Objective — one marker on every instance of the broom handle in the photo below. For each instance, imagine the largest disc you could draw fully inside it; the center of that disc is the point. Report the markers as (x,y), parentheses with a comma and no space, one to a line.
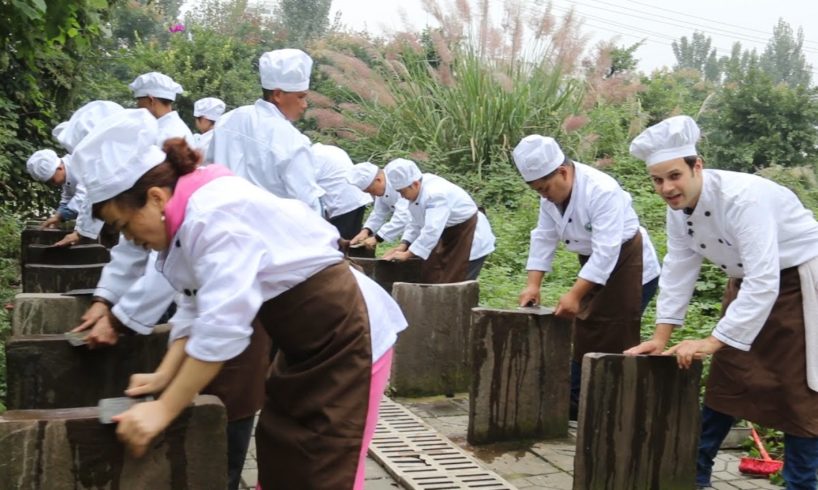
(759,445)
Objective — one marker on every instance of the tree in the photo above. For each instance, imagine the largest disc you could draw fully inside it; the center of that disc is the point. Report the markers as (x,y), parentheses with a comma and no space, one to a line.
(697,54)
(303,20)
(623,59)
(783,59)
(756,122)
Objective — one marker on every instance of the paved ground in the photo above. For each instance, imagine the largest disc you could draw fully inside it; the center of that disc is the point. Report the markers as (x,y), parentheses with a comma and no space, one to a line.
(543,466)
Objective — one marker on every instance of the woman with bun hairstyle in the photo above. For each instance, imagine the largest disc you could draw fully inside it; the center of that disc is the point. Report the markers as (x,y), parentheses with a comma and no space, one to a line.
(242,256)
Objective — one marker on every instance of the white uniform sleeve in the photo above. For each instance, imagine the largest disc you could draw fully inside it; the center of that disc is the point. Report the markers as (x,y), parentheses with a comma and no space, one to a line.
(126,266)
(298,176)
(436,215)
(680,271)
(146,300)
(380,213)
(397,224)
(756,231)
(182,321)
(226,264)
(543,244)
(607,224)
(86,225)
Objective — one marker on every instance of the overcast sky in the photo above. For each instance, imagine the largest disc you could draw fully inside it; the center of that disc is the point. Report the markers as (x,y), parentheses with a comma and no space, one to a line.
(660,22)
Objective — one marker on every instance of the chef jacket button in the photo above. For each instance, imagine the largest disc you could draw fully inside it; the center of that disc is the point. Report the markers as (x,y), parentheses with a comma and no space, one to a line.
(723,266)
(703,245)
(740,264)
(689,223)
(707,213)
(570,220)
(690,231)
(195,291)
(187,292)
(178,243)
(417,204)
(567,242)
(721,241)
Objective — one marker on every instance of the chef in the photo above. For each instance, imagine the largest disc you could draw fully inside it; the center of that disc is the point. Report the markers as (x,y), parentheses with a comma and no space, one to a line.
(343,203)
(390,213)
(156,92)
(446,231)
(206,111)
(765,348)
(589,213)
(243,257)
(259,142)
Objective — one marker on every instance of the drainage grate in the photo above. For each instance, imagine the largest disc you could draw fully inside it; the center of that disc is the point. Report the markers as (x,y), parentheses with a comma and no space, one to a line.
(420,458)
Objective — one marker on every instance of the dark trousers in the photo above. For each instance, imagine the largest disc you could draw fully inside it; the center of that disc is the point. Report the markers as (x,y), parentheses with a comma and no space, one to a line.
(349,224)
(475,266)
(800,453)
(238,439)
(648,291)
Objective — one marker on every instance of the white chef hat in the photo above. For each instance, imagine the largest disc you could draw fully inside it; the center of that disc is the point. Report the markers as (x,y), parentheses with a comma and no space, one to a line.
(675,137)
(209,107)
(361,175)
(117,153)
(537,156)
(42,164)
(155,84)
(82,121)
(285,69)
(401,173)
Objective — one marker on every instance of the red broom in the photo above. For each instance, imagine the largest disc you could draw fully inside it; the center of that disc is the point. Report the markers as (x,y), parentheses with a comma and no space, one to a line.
(754,466)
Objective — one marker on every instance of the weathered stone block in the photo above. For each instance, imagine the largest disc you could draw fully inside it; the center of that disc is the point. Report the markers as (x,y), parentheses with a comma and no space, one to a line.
(91,253)
(46,313)
(362,252)
(32,234)
(638,423)
(520,375)
(40,278)
(70,450)
(46,372)
(432,355)
(386,273)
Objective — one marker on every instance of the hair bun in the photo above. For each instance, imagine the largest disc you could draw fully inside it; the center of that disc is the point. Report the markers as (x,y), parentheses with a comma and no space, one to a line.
(181,156)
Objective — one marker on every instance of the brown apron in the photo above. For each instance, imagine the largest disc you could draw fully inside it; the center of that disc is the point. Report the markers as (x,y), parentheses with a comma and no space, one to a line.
(610,315)
(768,384)
(311,428)
(449,260)
(240,383)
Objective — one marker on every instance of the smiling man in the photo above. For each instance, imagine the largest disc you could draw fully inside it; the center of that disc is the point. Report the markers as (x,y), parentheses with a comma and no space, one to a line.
(259,142)
(765,363)
(592,215)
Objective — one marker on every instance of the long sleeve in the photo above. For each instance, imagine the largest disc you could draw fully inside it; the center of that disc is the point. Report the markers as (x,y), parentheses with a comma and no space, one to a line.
(127,264)
(395,226)
(543,243)
(680,270)
(144,303)
(298,176)
(756,230)
(381,212)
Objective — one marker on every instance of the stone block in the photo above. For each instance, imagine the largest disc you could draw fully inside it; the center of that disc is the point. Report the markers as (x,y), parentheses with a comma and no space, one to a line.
(431,357)
(46,313)
(520,375)
(638,423)
(32,234)
(70,450)
(386,273)
(91,253)
(362,252)
(40,278)
(46,372)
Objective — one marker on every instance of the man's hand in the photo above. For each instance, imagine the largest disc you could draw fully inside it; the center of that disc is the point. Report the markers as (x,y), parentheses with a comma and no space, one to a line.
(141,424)
(52,221)
(390,254)
(370,243)
(648,347)
(568,305)
(530,296)
(72,238)
(360,237)
(147,383)
(402,256)
(687,350)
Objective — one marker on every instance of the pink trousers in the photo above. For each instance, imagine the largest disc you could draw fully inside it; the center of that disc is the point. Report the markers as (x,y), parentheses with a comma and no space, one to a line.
(377,385)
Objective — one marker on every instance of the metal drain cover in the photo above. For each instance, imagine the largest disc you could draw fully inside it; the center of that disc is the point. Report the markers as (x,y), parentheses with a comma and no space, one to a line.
(420,458)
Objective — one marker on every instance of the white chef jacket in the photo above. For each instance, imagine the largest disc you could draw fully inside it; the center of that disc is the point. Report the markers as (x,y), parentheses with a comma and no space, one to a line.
(598,220)
(749,226)
(73,193)
(439,205)
(172,126)
(130,281)
(240,246)
(390,215)
(258,143)
(331,166)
